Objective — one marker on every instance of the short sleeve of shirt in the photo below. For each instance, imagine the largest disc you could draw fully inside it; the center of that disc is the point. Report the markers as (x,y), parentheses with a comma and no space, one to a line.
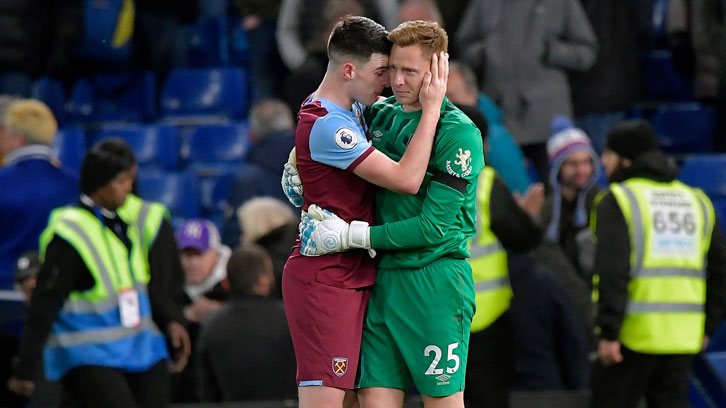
(460,152)
(337,142)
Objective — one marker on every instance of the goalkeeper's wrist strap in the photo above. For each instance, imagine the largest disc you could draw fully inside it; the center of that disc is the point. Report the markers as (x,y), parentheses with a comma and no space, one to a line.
(359,235)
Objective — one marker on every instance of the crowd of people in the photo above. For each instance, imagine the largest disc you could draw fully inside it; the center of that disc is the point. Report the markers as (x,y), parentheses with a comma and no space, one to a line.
(424,260)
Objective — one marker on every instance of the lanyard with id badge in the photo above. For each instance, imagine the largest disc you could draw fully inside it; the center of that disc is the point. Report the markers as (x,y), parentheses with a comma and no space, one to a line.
(128,299)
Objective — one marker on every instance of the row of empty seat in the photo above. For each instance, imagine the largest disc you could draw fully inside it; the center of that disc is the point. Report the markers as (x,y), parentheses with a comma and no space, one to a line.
(708,172)
(204,95)
(211,149)
(682,128)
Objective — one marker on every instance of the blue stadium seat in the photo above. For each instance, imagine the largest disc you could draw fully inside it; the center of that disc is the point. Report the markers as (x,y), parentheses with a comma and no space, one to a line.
(123,97)
(239,47)
(155,146)
(707,172)
(207,42)
(719,206)
(201,94)
(661,79)
(178,191)
(214,192)
(685,127)
(52,93)
(69,147)
(216,148)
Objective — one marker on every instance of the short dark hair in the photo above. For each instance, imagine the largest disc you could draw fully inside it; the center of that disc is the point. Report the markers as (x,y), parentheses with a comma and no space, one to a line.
(358,37)
(103,162)
(118,147)
(245,267)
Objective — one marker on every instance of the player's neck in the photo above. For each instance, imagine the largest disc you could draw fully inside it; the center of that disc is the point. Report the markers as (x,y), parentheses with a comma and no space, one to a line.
(333,90)
(412,107)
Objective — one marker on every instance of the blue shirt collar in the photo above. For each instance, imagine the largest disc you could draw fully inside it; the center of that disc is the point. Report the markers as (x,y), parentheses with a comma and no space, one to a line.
(34,151)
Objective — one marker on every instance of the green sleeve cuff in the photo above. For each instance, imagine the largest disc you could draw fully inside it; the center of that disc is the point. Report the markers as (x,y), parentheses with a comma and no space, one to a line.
(378,237)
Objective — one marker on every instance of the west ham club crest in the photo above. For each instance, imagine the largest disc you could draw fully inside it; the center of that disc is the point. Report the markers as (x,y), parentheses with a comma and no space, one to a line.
(340,365)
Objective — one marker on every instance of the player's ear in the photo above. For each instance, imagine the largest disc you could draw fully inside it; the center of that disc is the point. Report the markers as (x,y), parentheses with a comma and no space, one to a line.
(348,70)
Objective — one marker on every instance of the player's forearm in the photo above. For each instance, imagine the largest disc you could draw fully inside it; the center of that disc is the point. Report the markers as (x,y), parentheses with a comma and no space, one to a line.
(429,228)
(415,160)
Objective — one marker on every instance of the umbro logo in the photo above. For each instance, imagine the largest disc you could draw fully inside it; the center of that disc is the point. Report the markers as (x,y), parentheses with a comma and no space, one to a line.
(443,377)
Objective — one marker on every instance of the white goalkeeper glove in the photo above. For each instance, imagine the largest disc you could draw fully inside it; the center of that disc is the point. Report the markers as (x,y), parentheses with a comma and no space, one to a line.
(291,183)
(322,232)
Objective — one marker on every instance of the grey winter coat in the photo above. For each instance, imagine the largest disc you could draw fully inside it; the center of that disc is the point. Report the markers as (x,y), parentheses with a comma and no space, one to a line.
(523,50)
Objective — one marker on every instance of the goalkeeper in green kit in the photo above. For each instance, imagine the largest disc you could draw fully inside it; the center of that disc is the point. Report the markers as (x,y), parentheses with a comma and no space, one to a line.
(419,316)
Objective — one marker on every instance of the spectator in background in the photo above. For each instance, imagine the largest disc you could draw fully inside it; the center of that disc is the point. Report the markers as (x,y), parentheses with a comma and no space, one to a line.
(36,38)
(502,226)
(602,93)
(270,223)
(525,70)
(574,173)
(452,12)
(47,393)
(272,133)
(204,260)
(159,41)
(301,21)
(26,273)
(259,21)
(245,349)
(26,269)
(503,155)
(5,145)
(715,16)
(550,346)
(304,78)
(32,182)
(693,54)
(411,10)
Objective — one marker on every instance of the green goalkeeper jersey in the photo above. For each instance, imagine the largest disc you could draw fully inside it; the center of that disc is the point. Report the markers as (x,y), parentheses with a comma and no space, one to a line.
(440,219)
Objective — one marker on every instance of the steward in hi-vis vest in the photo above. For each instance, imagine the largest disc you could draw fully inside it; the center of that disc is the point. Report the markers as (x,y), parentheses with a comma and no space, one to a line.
(166,285)
(659,276)
(501,226)
(91,315)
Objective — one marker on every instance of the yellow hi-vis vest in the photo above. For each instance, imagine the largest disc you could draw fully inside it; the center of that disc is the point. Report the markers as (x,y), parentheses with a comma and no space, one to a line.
(488,261)
(670,226)
(146,215)
(89,330)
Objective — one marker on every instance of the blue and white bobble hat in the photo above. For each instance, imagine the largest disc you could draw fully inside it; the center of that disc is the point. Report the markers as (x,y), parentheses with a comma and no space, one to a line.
(566,138)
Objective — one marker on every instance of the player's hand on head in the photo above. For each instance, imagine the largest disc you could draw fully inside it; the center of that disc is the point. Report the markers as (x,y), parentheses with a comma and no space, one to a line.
(433,88)
(322,232)
(291,183)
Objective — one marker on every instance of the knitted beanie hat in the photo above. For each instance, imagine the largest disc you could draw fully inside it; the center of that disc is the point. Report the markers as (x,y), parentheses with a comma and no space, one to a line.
(565,139)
